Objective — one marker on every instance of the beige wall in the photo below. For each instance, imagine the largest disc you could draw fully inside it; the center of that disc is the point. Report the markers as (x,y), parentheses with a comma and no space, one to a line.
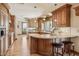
(75,23)
(74,18)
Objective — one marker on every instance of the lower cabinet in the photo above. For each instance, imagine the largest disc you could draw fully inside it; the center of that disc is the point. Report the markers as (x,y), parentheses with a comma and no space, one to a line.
(2,46)
(41,46)
(33,46)
(44,47)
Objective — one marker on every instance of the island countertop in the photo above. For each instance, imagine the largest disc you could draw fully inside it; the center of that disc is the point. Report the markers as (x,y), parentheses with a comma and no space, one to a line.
(49,36)
(41,43)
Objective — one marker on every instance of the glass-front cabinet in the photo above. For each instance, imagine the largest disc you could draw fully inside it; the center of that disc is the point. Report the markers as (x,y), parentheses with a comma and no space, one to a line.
(47,25)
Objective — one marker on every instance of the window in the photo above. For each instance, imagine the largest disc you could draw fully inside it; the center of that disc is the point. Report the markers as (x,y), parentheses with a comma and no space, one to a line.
(24,27)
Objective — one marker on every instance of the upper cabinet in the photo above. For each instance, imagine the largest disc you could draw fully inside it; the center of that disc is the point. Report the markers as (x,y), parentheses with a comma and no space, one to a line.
(61,16)
(77,10)
(4,14)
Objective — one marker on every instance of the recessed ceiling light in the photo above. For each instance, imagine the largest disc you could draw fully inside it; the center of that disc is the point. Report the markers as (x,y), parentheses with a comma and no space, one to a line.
(50,14)
(44,19)
(35,21)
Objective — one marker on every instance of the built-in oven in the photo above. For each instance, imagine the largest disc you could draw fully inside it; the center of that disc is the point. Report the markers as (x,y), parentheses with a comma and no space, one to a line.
(2,40)
(2,32)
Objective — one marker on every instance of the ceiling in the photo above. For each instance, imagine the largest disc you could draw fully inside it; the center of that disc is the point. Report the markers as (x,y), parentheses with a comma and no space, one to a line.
(32,10)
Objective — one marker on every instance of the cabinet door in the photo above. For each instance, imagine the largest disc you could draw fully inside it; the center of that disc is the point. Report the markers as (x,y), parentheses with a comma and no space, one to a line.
(55,20)
(59,18)
(33,45)
(47,47)
(63,17)
(44,47)
(41,46)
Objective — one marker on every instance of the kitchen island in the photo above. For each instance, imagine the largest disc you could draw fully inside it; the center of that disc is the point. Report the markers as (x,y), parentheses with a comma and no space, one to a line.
(41,43)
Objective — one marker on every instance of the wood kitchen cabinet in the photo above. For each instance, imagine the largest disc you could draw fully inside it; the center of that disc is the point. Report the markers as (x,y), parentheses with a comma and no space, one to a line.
(41,46)
(44,47)
(61,16)
(77,10)
(33,46)
(47,47)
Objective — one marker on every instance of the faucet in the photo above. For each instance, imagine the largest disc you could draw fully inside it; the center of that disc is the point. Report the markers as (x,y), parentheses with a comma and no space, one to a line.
(53,30)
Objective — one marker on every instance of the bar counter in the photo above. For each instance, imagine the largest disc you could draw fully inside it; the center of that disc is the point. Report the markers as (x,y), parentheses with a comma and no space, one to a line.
(41,43)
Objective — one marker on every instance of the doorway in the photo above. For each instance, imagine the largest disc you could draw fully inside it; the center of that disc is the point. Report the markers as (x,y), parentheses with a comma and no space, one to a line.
(24,27)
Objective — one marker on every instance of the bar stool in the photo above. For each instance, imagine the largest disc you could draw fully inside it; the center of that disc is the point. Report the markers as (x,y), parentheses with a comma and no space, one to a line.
(68,45)
(55,48)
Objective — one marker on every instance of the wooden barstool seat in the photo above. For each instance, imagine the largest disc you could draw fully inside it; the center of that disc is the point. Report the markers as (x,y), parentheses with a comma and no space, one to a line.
(67,47)
(55,48)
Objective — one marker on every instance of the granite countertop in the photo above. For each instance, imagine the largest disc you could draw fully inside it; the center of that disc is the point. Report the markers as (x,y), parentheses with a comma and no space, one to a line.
(49,36)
